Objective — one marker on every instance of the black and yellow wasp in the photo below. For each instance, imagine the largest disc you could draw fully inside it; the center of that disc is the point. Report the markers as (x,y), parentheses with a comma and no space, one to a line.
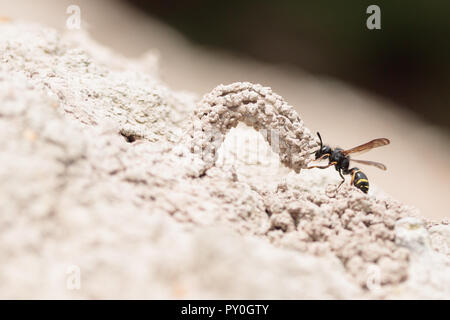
(340,159)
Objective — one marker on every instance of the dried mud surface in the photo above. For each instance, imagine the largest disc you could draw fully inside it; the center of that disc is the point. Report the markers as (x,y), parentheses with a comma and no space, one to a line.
(106,170)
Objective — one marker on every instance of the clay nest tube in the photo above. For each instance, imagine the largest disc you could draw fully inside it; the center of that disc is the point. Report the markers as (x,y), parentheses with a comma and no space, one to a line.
(256,106)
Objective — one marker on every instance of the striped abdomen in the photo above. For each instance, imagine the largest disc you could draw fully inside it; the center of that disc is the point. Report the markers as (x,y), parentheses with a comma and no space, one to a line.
(360,181)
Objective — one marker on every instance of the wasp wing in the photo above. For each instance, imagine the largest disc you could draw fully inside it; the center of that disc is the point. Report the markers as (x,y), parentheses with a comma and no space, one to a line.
(367,146)
(371,163)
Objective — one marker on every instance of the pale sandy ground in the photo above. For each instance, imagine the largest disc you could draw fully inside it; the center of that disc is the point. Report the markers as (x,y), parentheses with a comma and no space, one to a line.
(148,220)
(418,159)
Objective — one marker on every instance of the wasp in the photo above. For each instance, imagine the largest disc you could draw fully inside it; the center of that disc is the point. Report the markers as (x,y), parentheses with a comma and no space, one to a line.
(340,159)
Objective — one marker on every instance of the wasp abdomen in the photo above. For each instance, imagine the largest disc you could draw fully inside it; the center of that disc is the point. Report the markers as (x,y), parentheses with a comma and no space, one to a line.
(360,181)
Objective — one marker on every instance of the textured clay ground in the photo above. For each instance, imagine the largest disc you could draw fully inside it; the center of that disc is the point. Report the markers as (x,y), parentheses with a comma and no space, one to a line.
(151,193)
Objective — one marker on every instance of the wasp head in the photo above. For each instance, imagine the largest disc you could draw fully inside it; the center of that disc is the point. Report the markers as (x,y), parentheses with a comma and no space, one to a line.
(323,149)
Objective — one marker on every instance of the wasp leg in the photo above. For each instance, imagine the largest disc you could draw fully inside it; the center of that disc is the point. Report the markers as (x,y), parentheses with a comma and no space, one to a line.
(323,167)
(343,180)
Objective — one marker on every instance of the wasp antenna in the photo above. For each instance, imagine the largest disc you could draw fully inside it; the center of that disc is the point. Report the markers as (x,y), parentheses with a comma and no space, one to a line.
(320,139)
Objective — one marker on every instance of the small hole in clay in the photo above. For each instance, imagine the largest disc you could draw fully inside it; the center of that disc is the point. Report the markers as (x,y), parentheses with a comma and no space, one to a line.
(129,137)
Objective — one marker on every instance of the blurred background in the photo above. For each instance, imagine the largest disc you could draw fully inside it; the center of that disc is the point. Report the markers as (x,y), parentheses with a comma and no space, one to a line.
(408,60)
(348,82)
